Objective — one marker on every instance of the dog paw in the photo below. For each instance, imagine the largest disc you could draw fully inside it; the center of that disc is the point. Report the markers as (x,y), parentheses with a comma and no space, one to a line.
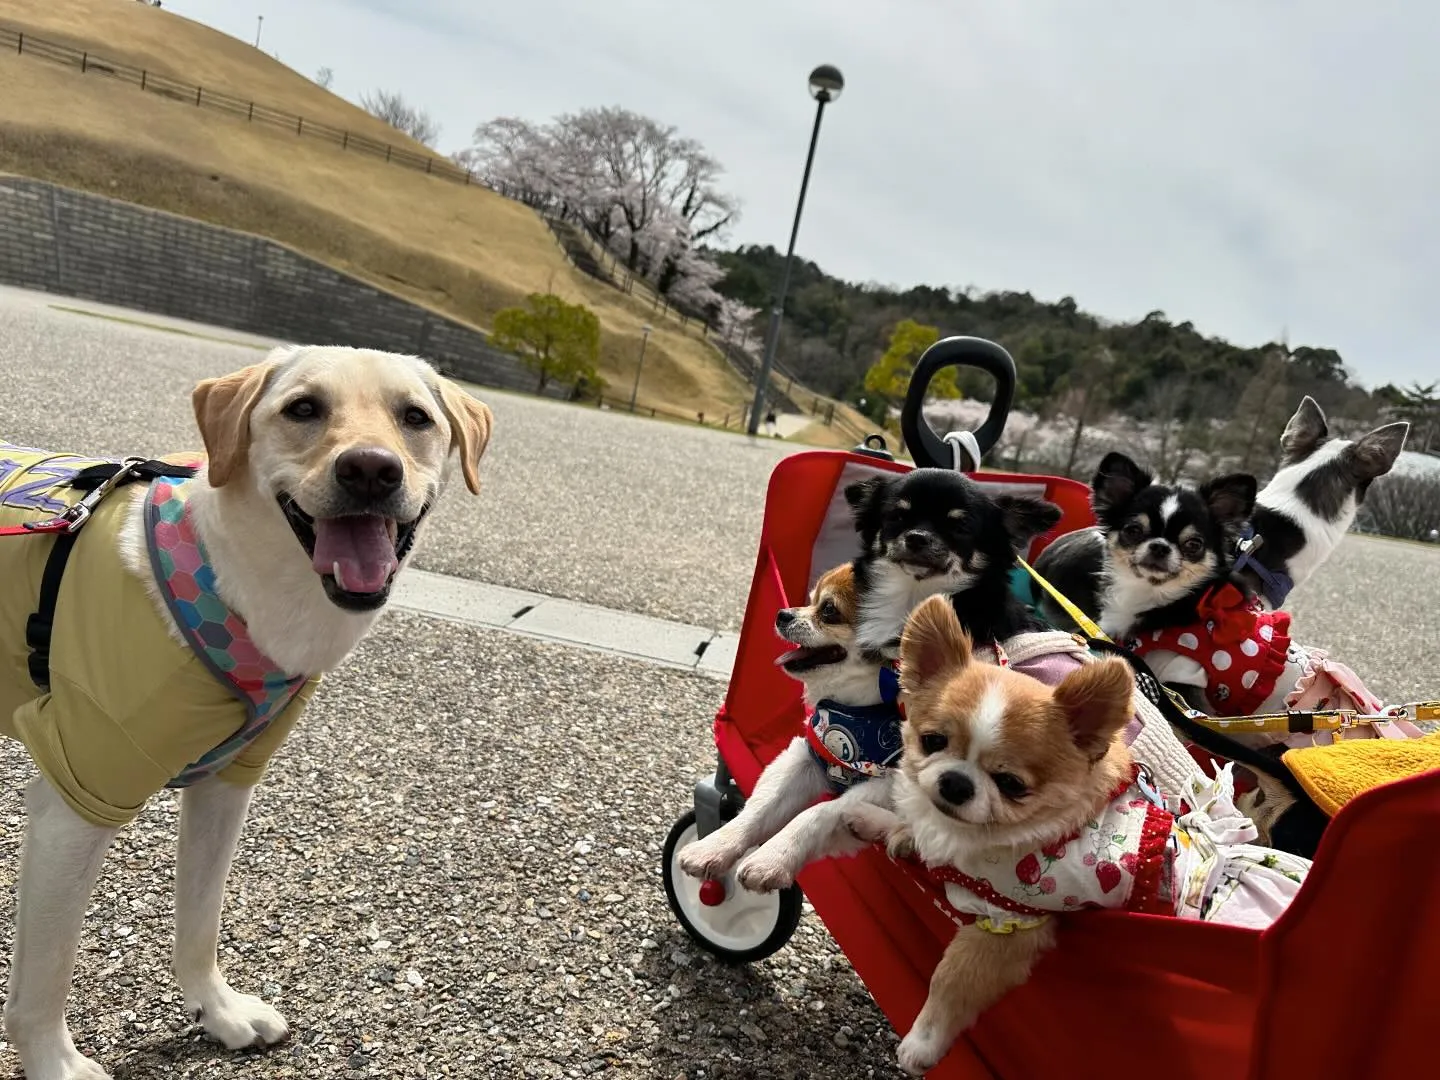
(710,857)
(764,872)
(73,1066)
(920,1051)
(900,844)
(238,1020)
(868,823)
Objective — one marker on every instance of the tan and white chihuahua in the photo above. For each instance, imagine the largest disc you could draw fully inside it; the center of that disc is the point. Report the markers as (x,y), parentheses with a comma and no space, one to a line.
(996,764)
(852,736)
(1024,801)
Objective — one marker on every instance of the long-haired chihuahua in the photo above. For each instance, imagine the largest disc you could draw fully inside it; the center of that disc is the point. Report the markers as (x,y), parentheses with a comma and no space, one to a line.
(852,734)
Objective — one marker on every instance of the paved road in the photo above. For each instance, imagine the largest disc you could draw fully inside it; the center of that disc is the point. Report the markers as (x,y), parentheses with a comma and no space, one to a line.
(486,811)
(603,507)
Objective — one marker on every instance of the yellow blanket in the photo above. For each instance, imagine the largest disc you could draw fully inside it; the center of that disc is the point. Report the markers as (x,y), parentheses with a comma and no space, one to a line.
(1335,774)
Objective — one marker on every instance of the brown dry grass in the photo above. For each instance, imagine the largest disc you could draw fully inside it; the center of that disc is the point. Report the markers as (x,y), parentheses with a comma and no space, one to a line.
(462,251)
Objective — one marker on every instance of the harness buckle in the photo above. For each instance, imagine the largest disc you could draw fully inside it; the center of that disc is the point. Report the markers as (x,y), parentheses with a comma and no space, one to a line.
(73,519)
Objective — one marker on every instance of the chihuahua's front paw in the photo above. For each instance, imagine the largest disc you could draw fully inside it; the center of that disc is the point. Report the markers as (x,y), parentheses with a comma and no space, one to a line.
(712,856)
(921,1050)
(764,871)
(900,844)
(873,824)
(237,1020)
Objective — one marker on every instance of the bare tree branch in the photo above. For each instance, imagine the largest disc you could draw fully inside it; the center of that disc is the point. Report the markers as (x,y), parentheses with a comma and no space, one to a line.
(401,115)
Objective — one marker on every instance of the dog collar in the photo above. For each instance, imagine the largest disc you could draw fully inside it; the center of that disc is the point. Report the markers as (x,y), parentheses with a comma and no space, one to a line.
(854,742)
(890,684)
(1274,585)
(218,636)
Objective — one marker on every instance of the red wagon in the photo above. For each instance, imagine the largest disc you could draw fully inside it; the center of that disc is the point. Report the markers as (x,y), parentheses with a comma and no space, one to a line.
(1337,988)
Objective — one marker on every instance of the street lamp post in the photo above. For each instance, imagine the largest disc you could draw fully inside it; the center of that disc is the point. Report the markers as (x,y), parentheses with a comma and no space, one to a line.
(259,25)
(826,82)
(640,364)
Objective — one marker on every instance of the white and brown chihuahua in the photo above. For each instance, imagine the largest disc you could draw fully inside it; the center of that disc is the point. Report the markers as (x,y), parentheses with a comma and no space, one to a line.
(852,735)
(996,764)
(1024,801)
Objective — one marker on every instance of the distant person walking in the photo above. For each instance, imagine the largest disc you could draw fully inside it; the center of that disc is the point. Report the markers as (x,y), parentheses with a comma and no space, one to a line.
(770,423)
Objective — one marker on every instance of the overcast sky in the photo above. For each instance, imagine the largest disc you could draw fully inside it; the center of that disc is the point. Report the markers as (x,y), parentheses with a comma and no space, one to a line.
(1257,167)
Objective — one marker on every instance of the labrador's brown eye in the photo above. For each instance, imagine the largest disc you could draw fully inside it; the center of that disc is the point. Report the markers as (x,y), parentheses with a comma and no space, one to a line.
(417,418)
(302,408)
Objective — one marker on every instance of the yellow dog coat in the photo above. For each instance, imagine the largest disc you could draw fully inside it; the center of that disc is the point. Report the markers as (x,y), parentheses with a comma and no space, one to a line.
(130,709)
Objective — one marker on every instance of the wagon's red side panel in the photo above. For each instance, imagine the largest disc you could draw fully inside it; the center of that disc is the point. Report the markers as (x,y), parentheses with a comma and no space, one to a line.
(1347,975)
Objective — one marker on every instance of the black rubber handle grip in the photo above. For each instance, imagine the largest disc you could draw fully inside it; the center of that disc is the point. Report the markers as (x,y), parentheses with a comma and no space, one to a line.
(927,448)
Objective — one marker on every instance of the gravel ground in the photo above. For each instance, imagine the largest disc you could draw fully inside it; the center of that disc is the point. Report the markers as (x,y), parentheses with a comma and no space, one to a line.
(463,882)
(651,517)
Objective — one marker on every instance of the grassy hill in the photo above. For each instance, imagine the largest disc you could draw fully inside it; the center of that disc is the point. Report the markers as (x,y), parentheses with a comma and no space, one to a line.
(462,251)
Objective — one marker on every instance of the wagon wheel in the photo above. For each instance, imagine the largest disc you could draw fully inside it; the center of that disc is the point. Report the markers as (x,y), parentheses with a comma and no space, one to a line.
(734,924)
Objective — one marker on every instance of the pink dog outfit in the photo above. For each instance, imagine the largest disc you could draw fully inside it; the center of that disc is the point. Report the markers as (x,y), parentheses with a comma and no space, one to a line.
(1143,853)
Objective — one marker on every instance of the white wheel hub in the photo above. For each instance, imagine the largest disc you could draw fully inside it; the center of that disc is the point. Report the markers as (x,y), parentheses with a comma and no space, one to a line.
(743,921)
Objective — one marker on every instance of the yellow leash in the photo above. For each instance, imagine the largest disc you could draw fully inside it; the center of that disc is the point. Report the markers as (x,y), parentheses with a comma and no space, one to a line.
(1326,720)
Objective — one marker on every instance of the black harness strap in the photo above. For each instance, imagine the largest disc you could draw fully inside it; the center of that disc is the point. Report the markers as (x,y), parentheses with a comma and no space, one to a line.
(40,627)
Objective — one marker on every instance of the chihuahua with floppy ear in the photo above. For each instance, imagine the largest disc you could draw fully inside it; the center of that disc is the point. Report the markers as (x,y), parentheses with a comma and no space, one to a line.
(852,735)
(1023,800)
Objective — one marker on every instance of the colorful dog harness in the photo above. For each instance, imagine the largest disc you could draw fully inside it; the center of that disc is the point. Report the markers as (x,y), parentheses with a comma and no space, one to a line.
(1242,649)
(217,634)
(853,742)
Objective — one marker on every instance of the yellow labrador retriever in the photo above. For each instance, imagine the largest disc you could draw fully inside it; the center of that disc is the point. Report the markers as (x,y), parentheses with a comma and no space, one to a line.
(194,616)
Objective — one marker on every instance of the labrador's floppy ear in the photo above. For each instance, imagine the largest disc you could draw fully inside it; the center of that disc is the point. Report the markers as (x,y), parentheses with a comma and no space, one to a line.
(222,412)
(470,423)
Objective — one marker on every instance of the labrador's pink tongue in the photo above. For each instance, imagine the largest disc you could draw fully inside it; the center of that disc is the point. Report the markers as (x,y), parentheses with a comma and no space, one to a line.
(357,550)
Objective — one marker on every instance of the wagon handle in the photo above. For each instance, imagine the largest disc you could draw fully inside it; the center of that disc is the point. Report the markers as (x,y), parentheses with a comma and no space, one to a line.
(927,448)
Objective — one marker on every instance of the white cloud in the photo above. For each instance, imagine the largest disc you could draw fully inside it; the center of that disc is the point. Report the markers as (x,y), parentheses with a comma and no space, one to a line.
(1252,167)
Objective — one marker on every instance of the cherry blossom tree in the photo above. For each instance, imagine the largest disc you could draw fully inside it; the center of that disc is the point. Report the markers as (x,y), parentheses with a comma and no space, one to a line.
(735,324)
(644,191)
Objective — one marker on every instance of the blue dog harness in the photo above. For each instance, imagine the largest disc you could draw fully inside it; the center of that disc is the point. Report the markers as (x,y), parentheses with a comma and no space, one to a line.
(1276,586)
(853,743)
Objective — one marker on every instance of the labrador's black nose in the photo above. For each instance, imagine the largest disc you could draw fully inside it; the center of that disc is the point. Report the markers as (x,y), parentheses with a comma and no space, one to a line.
(369,472)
